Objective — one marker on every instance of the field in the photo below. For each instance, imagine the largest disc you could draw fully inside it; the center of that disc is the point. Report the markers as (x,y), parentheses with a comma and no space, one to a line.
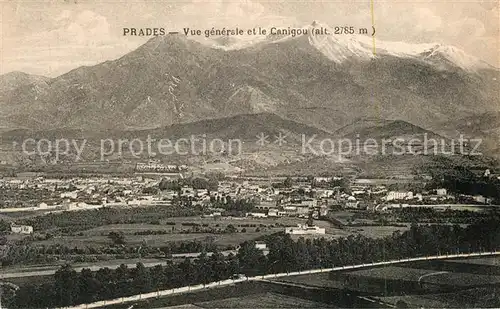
(426,276)
(480,261)
(317,280)
(241,295)
(188,306)
(110,263)
(344,216)
(471,298)
(184,229)
(457,283)
(479,291)
(264,300)
(376,231)
(222,240)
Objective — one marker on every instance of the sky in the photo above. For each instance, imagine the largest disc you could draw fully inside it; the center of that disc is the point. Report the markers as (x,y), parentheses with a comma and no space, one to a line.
(51,37)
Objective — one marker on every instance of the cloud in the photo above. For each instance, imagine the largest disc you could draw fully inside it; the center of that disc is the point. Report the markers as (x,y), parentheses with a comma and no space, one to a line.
(426,20)
(472,27)
(70,39)
(84,28)
(57,36)
(468,27)
(221,13)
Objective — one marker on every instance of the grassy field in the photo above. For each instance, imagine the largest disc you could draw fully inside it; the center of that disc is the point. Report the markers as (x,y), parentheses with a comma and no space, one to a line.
(483,266)
(471,298)
(242,295)
(376,231)
(345,216)
(110,263)
(236,221)
(181,229)
(318,280)
(188,306)
(30,280)
(458,279)
(492,261)
(222,240)
(263,300)
(222,222)
(434,274)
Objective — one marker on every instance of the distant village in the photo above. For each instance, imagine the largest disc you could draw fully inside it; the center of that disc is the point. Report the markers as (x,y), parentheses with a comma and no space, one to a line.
(309,197)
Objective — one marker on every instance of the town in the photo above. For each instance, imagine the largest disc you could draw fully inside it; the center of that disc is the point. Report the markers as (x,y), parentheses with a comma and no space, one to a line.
(168,213)
(230,197)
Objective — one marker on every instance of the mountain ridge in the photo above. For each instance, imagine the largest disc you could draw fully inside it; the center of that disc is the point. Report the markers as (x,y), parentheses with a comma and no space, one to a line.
(173,79)
(340,47)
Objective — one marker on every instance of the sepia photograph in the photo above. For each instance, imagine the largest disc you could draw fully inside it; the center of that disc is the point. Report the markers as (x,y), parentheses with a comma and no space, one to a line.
(205,154)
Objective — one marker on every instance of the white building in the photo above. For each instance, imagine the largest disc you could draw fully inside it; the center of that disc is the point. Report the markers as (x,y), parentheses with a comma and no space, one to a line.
(256,215)
(71,194)
(394,195)
(352,202)
(155,167)
(272,212)
(481,199)
(322,179)
(305,230)
(260,245)
(441,192)
(21,229)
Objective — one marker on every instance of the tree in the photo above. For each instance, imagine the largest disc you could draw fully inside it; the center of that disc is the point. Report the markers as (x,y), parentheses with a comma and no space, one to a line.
(251,260)
(117,238)
(4,227)
(66,285)
(166,184)
(89,286)
(310,221)
(141,279)
(230,229)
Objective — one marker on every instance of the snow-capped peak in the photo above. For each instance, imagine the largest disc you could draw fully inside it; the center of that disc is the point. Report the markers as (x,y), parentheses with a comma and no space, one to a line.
(453,55)
(342,47)
(339,48)
(348,47)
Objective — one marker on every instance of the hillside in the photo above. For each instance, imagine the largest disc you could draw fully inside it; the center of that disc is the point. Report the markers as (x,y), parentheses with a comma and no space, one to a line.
(12,84)
(379,129)
(485,126)
(246,127)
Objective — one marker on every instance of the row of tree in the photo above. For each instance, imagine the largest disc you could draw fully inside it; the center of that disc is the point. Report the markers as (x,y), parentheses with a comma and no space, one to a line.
(285,255)
(74,221)
(32,254)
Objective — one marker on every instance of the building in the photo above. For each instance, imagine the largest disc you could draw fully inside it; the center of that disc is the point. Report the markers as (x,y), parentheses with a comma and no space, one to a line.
(156,167)
(481,199)
(323,210)
(70,194)
(21,229)
(305,230)
(256,215)
(352,202)
(394,195)
(322,179)
(441,192)
(260,245)
(272,212)
(265,205)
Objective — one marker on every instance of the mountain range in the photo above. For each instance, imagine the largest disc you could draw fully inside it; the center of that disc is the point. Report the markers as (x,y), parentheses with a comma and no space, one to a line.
(321,82)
